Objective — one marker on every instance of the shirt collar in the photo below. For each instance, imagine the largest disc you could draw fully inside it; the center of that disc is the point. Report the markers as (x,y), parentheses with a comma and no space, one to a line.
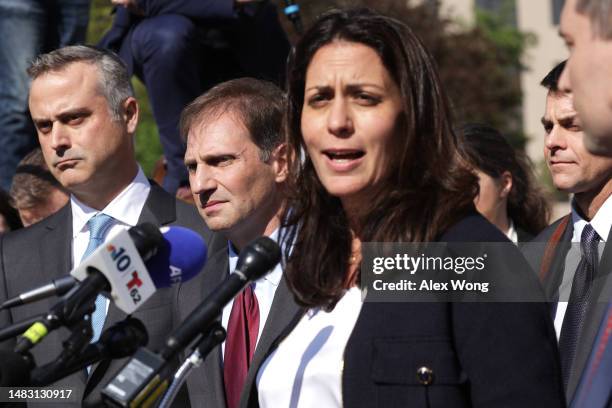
(274,276)
(125,207)
(601,222)
(512,234)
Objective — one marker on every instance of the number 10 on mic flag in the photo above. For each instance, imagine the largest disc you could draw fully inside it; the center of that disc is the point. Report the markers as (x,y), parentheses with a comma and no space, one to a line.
(122,265)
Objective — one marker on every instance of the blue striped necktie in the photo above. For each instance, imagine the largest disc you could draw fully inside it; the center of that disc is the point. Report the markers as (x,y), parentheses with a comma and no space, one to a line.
(98,227)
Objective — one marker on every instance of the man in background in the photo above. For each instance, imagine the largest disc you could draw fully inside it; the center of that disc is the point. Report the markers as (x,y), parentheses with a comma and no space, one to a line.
(574,264)
(35,193)
(237,167)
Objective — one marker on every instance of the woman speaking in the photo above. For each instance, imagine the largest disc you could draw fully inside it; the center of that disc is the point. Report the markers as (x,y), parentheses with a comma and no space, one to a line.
(376,160)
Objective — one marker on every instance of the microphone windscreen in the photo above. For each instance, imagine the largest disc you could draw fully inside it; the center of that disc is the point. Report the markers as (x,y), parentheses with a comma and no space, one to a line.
(124,338)
(181,257)
(14,369)
(258,257)
(147,239)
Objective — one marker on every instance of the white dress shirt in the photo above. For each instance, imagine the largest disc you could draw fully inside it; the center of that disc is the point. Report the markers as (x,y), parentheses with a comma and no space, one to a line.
(512,234)
(264,289)
(125,208)
(601,223)
(306,368)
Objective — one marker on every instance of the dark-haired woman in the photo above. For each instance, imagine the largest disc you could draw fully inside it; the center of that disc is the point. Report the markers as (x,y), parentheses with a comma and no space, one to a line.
(376,160)
(508,196)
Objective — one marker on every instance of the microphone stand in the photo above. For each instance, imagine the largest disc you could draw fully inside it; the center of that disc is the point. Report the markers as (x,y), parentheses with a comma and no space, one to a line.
(60,368)
(70,311)
(213,337)
(118,341)
(19,327)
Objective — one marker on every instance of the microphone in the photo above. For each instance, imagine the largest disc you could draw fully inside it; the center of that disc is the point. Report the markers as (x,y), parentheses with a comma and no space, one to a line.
(117,266)
(292,11)
(130,385)
(57,287)
(256,260)
(120,340)
(180,258)
(182,262)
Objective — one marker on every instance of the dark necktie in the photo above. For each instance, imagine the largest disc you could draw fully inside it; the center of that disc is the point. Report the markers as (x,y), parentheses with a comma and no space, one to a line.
(242,330)
(579,300)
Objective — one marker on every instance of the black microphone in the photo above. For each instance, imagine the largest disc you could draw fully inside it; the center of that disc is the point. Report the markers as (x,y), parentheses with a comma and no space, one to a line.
(80,300)
(292,11)
(118,341)
(57,287)
(256,260)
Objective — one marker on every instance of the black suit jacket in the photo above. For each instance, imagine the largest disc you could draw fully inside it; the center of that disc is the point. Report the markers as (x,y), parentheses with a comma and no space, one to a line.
(552,278)
(205,384)
(481,354)
(34,256)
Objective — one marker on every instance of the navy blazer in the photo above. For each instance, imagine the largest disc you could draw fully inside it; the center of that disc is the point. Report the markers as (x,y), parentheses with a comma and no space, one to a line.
(479,354)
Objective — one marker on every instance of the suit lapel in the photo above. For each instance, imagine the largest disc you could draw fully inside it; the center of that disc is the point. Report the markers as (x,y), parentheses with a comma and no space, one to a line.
(210,377)
(160,207)
(602,293)
(557,267)
(282,311)
(55,246)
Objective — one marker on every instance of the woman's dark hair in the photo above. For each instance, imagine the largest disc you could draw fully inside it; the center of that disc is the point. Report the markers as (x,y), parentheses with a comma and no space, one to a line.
(10,214)
(490,152)
(429,189)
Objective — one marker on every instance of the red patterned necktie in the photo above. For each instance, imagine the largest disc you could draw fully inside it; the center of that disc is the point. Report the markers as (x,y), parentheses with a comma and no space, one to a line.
(242,330)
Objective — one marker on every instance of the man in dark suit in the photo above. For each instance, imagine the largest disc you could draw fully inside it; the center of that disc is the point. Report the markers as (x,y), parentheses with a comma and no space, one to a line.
(575,263)
(237,168)
(83,107)
(180,48)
